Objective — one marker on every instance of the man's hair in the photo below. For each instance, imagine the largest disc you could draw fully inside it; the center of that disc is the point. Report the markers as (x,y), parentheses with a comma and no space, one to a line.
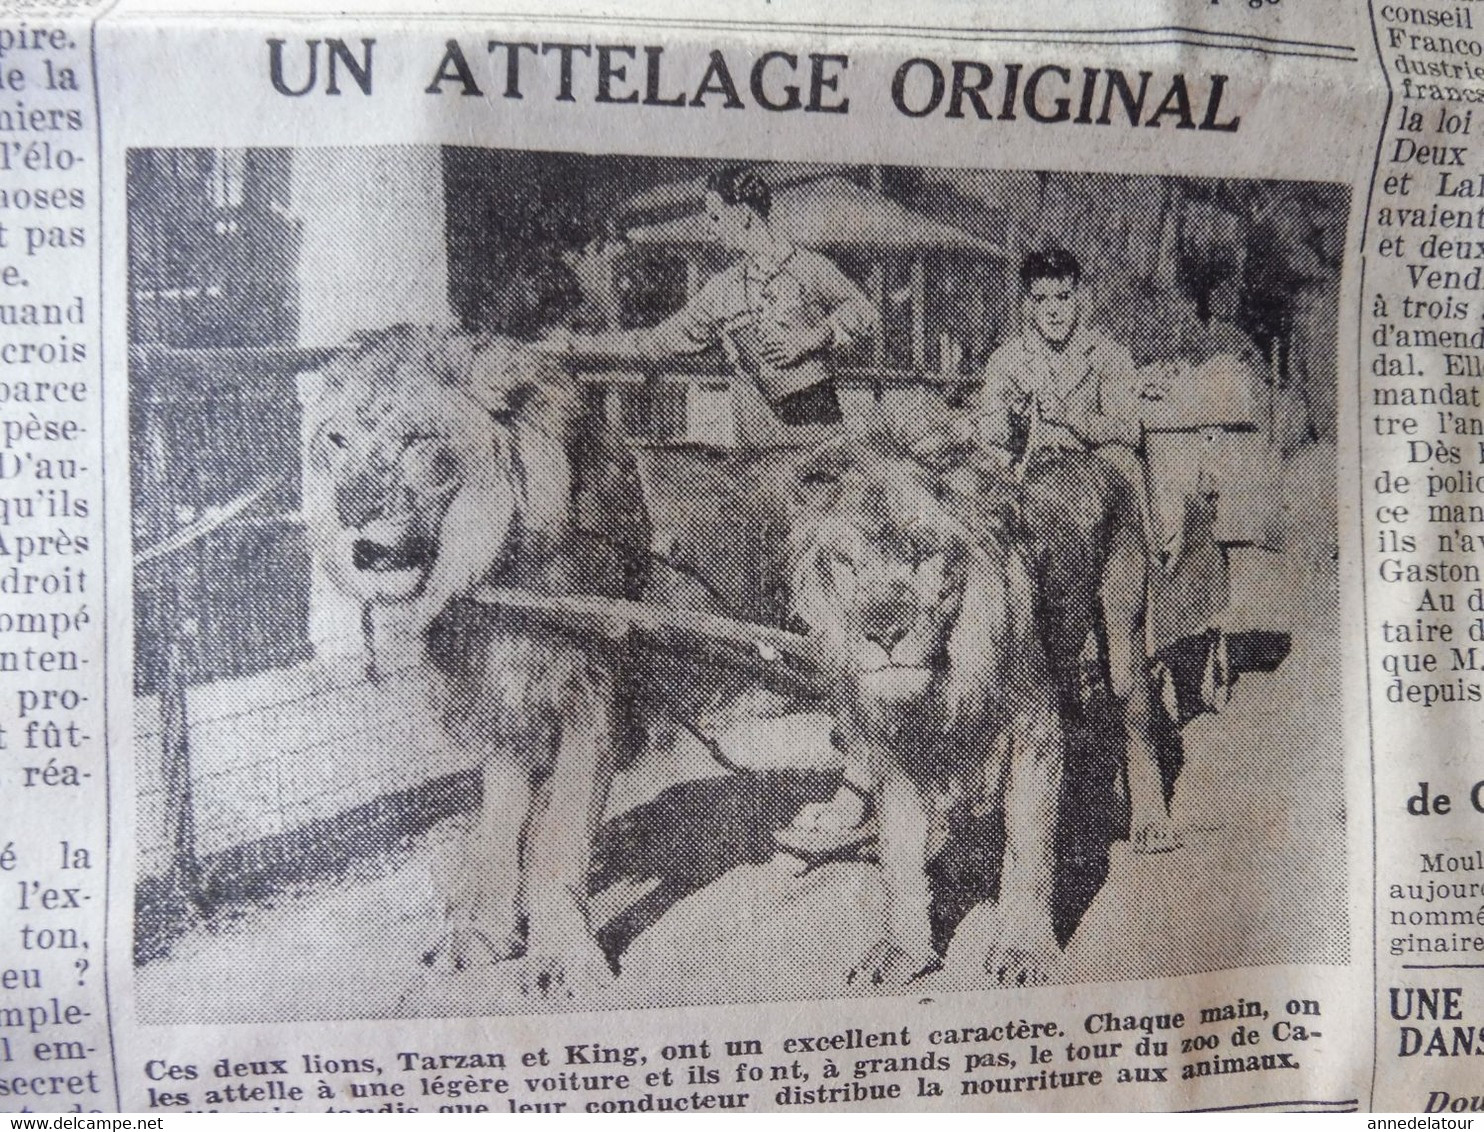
(1053,263)
(741,184)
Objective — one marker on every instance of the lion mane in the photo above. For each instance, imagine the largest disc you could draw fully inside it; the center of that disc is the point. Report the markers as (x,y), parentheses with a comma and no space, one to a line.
(437,463)
(913,586)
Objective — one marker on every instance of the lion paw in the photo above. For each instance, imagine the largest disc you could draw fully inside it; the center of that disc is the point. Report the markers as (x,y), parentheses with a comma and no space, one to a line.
(573,975)
(1016,966)
(466,946)
(889,964)
(1157,837)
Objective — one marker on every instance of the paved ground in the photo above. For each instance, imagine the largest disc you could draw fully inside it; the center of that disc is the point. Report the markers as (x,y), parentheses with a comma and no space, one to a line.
(704,911)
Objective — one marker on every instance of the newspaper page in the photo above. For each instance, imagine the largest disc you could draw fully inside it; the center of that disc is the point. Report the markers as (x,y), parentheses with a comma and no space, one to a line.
(623,561)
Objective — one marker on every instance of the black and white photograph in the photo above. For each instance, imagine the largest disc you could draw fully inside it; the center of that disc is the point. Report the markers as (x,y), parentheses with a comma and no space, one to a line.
(568,582)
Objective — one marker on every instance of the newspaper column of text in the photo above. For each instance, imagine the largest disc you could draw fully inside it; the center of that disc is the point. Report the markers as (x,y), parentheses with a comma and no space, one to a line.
(1423,447)
(54,1045)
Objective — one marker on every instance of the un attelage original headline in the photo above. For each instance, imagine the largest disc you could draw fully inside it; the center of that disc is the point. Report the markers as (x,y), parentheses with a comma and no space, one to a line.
(778,81)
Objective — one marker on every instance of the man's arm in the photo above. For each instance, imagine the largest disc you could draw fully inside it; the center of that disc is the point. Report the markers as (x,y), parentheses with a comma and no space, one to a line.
(850,315)
(847,315)
(696,326)
(693,329)
(989,409)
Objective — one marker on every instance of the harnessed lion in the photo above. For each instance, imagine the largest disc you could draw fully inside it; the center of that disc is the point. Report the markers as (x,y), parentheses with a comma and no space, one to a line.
(436,463)
(925,616)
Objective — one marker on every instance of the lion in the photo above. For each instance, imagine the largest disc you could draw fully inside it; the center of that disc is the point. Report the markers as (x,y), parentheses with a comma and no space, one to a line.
(1084,539)
(436,463)
(925,617)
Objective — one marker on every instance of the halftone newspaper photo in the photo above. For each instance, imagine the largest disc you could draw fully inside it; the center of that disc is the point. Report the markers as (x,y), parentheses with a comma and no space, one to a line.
(1044,541)
(558,560)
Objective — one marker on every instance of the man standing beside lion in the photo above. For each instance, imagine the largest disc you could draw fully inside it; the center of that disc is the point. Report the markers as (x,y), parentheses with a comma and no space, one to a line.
(782,314)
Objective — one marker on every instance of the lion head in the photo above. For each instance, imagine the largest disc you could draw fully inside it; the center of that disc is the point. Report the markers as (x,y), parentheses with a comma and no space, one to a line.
(405,423)
(902,570)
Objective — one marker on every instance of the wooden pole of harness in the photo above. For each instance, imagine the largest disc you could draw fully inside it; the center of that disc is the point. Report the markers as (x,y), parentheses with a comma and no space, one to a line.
(780,658)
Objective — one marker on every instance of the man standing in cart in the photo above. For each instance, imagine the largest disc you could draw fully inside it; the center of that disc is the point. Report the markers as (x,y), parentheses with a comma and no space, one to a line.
(782,313)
